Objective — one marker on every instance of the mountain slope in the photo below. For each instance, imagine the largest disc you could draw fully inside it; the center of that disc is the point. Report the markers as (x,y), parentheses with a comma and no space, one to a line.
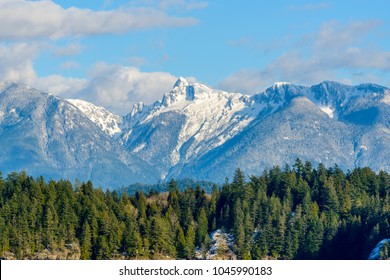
(302,128)
(107,121)
(189,121)
(205,134)
(295,131)
(194,132)
(46,135)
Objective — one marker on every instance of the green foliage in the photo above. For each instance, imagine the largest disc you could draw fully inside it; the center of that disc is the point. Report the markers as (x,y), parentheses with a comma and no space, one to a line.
(285,213)
(202,228)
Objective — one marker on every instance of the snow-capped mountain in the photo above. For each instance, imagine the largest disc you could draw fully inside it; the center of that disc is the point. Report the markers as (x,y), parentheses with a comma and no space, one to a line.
(329,123)
(197,132)
(46,135)
(188,122)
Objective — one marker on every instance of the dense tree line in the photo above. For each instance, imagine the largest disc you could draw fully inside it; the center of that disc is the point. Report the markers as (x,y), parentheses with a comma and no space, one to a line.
(286,213)
(162,186)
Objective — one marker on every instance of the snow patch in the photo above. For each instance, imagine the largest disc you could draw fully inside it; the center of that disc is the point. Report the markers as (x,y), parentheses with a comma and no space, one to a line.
(138,148)
(212,117)
(108,122)
(386,98)
(221,247)
(280,84)
(181,82)
(328,110)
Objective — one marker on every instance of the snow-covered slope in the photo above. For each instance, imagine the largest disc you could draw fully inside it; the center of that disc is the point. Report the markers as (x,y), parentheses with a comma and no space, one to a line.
(46,135)
(355,133)
(191,119)
(195,131)
(108,122)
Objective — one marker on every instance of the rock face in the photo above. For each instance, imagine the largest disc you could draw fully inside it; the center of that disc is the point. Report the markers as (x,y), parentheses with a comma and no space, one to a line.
(206,134)
(194,132)
(381,251)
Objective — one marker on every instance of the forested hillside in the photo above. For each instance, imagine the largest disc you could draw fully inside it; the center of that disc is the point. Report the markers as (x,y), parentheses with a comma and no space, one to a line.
(286,213)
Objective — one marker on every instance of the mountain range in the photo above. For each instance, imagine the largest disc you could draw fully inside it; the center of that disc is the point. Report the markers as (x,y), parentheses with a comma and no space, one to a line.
(194,132)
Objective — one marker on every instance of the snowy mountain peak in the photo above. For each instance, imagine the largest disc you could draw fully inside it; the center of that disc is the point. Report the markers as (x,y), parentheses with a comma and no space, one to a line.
(338,95)
(107,121)
(195,131)
(280,93)
(181,82)
(178,93)
(281,84)
(13,87)
(50,136)
(137,108)
(4,84)
(186,92)
(200,118)
(371,88)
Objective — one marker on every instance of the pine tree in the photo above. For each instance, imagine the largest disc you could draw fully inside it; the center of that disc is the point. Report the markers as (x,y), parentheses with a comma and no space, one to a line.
(181,246)
(190,241)
(86,242)
(202,228)
(328,197)
(132,241)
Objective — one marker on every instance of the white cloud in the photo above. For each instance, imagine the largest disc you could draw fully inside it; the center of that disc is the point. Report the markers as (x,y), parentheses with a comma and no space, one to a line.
(334,35)
(117,87)
(16,62)
(21,19)
(335,52)
(114,87)
(60,85)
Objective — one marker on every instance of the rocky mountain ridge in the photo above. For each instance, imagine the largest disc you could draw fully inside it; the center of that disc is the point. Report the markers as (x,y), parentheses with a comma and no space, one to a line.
(195,131)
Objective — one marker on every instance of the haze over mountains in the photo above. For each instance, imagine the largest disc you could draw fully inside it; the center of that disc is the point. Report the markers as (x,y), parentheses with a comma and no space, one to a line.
(194,132)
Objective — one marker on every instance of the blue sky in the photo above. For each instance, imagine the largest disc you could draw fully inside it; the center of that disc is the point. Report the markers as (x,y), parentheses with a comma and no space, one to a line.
(116,53)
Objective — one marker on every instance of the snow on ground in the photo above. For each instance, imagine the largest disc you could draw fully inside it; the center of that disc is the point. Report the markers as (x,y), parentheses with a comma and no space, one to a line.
(107,121)
(386,98)
(212,116)
(221,247)
(328,110)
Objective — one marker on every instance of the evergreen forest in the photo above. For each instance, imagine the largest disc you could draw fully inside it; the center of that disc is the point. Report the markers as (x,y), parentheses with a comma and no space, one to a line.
(297,212)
